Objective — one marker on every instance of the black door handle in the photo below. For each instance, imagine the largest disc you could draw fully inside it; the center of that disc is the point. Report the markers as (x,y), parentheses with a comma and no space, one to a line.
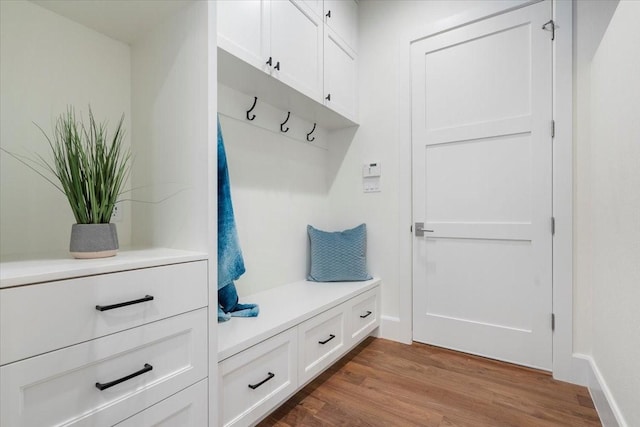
(362,316)
(331,336)
(255,386)
(105,386)
(124,304)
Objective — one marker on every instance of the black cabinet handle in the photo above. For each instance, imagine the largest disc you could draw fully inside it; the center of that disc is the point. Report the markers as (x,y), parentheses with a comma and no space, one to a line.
(277,67)
(270,62)
(255,386)
(365,315)
(124,304)
(331,336)
(328,97)
(105,386)
(328,15)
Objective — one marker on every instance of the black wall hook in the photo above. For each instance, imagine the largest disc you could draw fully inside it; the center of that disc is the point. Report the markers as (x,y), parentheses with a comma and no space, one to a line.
(309,134)
(253,116)
(282,129)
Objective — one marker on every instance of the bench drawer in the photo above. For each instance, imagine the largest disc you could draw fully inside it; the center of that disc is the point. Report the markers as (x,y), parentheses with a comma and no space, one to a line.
(322,341)
(185,409)
(61,387)
(38,318)
(365,314)
(256,380)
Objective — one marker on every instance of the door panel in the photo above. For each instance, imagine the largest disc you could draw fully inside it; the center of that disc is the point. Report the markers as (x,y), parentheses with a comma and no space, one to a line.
(481,116)
(243,30)
(481,180)
(296,43)
(340,76)
(482,79)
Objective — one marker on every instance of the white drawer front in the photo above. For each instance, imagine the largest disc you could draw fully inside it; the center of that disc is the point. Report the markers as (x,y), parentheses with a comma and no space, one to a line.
(185,409)
(273,360)
(322,341)
(39,318)
(365,314)
(60,388)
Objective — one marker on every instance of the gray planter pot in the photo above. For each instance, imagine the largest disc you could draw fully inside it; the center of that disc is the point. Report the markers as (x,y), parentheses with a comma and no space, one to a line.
(93,240)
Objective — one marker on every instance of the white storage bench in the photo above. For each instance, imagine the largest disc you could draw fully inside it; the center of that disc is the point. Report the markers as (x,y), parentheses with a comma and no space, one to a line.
(302,329)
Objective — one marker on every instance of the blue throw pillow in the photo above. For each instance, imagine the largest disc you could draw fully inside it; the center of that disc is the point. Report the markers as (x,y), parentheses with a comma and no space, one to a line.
(338,256)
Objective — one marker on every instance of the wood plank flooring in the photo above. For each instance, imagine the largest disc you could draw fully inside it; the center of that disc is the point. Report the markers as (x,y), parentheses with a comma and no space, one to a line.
(384,383)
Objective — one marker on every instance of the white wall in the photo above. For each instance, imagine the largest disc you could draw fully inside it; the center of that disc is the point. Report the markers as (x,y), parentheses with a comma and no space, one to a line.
(172,136)
(46,63)
(590,23)
(278,186)
(614,197)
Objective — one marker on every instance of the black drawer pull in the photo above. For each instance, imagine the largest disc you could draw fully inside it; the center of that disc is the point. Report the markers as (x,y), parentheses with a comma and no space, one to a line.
(331,336)
(255,386)
(105,386)
(366,315)
(124,304)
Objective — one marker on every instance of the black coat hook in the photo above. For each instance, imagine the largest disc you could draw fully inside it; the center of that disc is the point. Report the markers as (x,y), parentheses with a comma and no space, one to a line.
(282,129)
(253,116)
(309,134)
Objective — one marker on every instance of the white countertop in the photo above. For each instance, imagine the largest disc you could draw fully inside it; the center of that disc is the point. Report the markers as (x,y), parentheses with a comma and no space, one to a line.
(49,268)
(282,308)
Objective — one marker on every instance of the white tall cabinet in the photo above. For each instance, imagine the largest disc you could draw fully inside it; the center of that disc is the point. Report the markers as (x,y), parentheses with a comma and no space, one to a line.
(123,340)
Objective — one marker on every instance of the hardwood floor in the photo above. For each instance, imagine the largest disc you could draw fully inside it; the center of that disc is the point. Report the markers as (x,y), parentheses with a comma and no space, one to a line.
(384,383)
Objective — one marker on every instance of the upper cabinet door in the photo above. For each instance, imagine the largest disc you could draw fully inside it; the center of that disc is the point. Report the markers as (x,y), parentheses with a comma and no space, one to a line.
(296,47)
(340,76)
(315,5)
(243,30)
(342,17)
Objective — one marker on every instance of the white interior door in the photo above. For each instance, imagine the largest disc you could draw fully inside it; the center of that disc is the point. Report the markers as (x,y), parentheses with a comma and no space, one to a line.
(482,146)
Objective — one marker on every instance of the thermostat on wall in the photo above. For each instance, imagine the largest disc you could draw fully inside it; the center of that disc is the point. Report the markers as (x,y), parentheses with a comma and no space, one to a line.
(371,170)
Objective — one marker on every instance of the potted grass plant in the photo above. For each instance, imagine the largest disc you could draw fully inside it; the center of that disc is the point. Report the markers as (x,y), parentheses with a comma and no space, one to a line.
(90,168)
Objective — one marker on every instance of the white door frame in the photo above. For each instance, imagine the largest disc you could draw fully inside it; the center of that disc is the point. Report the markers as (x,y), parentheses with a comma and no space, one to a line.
(566,367)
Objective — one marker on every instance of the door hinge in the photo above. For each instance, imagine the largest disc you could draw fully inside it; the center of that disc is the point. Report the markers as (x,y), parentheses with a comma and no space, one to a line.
(553,322)
(553,225)
(550,26)
(553,128)
(411,228)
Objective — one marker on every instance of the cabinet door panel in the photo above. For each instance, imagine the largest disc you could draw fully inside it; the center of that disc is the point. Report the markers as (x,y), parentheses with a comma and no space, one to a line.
(365,314)
(315,5)
(296,43)
(243,30)
(256,380)
(185,409)
(321,341)
(342,17)
(61,387)
(39,318)
(340,69)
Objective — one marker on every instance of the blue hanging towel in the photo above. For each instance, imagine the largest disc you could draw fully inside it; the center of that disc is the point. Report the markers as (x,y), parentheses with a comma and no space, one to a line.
(230,260)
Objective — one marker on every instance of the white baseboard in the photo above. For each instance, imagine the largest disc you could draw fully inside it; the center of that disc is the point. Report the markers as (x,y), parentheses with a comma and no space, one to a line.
(392,328)
(608,410)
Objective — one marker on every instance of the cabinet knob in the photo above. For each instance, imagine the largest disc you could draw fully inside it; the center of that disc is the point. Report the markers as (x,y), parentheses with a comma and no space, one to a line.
(277,67)
(328,97)
(328,15)
(270,61)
